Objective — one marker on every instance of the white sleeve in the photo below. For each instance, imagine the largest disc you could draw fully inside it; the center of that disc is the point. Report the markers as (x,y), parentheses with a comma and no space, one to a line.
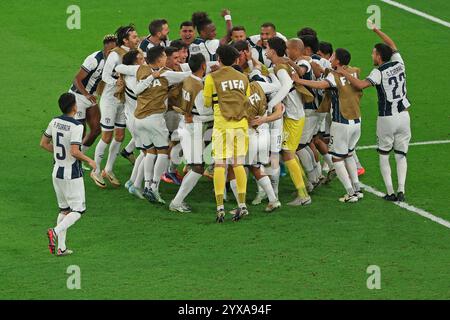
(174,77)
(212,45)
(76,135)
(397,57)
(330,79)
(48,131)
(108,69)
(286,85)
(269,88)
(89,64)
(143,84)
(306,64)
(374,77)
(200,105)
(127,70)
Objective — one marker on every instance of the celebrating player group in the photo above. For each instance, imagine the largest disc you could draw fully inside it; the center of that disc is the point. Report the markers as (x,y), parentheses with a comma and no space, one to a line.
(228,109)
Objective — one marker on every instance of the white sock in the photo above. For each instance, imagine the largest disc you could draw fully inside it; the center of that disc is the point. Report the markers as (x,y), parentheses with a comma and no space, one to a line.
(161,163)
(265,184)
(140,174)
(84,148)
(189,182)
(402,168)
(149,164)
(62,234)
(385,169)
(275,180)
(112,155)
(135,171)
(307,163)
(325,167)
(352,170)
(130,146)
(318,169)
(328,160)
(358,164)
(342,174)
(67,222)
(233,185)
(99,152)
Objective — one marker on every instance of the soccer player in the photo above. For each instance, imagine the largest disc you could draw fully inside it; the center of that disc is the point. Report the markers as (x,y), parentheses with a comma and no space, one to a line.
(226,90)
(393,124)
(238,33)
(151,128)
(159,35)
(258,42)
(63,138)
(207,43)
(183,50)
(112,110)
(191,130)
(294,117)
(346,121)
(127,92)
(84,88)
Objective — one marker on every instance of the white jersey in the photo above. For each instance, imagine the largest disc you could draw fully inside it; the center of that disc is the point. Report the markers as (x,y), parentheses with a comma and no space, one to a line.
(109,74)
(206,47)
(390,81)
(65,131)
(147,44)
(93,65)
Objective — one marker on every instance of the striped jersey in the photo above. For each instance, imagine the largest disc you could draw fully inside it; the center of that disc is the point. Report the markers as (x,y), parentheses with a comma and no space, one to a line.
(65,131)
(390,81)
(206,47)
(146,44)
(93,65)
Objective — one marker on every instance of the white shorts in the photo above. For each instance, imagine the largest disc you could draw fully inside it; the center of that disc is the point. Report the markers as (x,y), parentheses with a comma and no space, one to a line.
(152,132)
(172,121)
(258,146)
(343,138)
(82,105)
(191,140)
(312,125)
(276,135)
(129,120)
(70,194)
(112,114)
(394,132)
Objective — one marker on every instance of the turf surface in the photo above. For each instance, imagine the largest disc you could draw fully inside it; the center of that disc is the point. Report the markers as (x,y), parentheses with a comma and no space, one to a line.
(128,249)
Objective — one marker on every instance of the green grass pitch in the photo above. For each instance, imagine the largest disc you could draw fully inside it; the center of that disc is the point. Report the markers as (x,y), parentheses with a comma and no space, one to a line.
(129,249)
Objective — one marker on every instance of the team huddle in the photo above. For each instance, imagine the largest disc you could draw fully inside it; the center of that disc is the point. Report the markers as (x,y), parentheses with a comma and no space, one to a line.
(228,109)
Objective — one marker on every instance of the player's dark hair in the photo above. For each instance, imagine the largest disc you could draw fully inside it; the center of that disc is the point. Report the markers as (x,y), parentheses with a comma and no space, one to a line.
(170,50)
(277,44)
(241,45)
(123,32)
(384,51)
(343,55)
(156,26)
(196,61)
(179,44)
(200,20)
(238,28)
(326,47)
(153,54)
(269,25)
(311,42)
(109,38)
(227,54)
(306,31)
(186,24)
(66,101)
(130,57)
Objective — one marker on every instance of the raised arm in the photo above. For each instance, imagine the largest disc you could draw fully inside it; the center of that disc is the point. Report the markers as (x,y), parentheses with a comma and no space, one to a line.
(386,39)
(226,14)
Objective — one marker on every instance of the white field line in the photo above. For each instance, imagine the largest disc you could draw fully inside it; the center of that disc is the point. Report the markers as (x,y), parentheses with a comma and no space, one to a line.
(417,12)
(422,143)
(409,207)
